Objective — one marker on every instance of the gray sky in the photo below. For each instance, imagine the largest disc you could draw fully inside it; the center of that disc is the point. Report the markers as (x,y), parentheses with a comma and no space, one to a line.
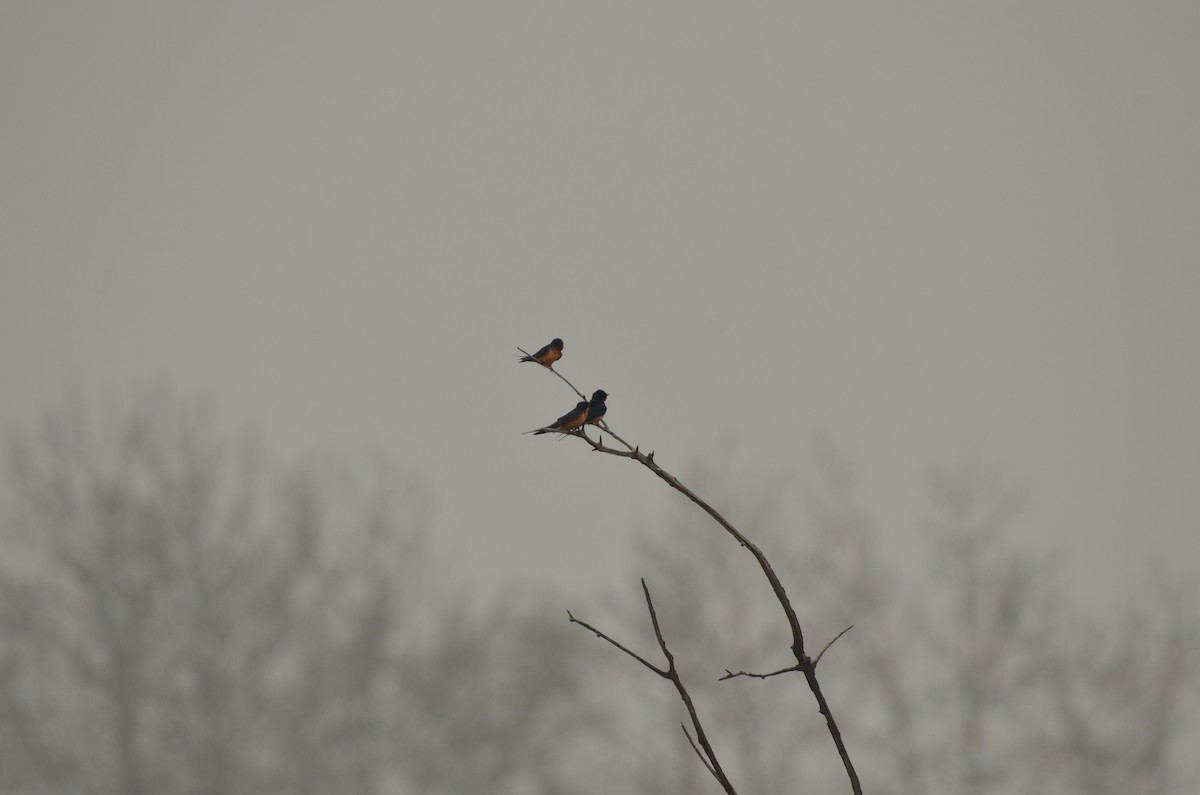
(928,230)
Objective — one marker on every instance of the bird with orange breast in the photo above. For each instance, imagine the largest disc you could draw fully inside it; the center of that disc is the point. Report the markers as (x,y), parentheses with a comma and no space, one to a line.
(568,422)
(547,355)
(586,412)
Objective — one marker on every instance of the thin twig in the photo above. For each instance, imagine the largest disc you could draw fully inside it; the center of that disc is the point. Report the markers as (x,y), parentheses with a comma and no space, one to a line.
(663,673)
(730,674)
(817,659)
(701,737)
(695,748)
(550,367)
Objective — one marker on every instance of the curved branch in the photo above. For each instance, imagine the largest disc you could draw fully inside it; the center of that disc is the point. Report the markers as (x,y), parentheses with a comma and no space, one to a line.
(821,654)
(647,460)
(804,663)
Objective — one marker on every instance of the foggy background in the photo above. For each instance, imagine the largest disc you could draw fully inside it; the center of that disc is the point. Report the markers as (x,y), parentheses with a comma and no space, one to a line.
(786,239)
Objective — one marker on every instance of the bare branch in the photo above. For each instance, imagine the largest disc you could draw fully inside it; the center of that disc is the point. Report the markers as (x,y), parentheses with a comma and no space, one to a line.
(730,674)
(817,659)
(708,756)
(715,766)
(696,748)
(550,367)
(630,652)
(803,662)
(647,460)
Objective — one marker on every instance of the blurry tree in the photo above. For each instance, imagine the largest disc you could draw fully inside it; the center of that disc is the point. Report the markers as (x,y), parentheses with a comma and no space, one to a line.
(967,671)
(976,696)
(504,695)
(175,619)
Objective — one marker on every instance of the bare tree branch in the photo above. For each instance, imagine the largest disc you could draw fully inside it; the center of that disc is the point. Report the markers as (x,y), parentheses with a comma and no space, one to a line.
(661,672)
(817,659)
(696,748)
(709,756)
(804,663)
(675,678)
(731,675)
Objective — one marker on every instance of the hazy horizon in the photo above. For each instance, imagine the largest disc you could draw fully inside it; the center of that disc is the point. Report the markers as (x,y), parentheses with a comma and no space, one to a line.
(926,233)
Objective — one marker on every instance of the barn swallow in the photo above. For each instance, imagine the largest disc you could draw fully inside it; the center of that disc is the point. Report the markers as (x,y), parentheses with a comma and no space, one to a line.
(567,422)
(597,407)
(547,355)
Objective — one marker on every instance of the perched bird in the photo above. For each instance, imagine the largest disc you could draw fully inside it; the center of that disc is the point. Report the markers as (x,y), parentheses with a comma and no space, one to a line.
(567,422)
(597,407)
(548,355)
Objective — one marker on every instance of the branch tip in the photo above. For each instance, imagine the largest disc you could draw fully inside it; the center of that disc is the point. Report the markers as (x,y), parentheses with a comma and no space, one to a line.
(830,643)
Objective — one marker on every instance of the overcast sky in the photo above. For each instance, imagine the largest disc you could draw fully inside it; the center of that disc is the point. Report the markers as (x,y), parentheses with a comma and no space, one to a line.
(926,230)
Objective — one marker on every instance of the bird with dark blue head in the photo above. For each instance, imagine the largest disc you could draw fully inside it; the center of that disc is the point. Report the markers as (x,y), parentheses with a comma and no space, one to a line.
(597,407)
(548,354)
